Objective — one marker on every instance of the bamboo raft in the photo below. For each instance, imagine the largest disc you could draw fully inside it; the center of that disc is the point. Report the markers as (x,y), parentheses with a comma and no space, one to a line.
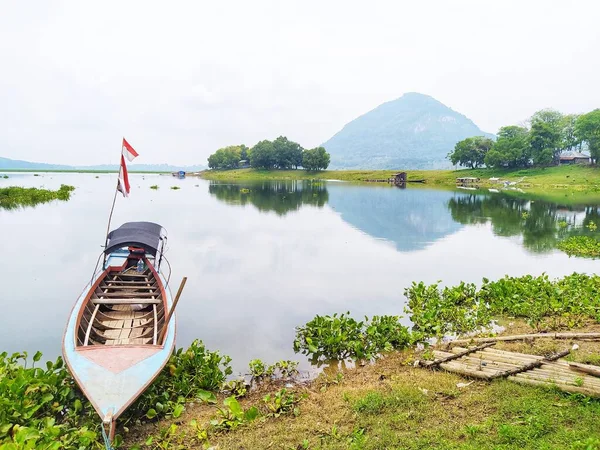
(486,363)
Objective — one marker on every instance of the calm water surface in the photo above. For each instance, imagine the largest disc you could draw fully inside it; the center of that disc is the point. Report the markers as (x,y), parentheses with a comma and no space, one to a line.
(264,258)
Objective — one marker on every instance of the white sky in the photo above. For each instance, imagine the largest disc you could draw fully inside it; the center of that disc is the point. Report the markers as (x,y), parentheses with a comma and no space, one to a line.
(180,79)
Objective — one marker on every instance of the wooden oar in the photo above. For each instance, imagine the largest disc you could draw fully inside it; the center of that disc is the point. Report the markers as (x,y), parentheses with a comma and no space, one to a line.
(168,319)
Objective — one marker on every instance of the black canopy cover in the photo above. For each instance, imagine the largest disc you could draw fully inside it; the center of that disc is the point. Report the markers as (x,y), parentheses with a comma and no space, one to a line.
(146,235)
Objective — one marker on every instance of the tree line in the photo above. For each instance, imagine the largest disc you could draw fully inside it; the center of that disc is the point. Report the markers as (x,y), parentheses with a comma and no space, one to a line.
(278,154)
(539,142)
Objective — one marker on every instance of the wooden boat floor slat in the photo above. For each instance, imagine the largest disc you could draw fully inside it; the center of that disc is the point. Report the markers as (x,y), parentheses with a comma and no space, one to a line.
(126,308)
(127,294)
(126,301)
(129,288)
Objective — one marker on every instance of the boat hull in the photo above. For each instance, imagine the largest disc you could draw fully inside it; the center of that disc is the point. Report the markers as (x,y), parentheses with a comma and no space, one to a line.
(113,377)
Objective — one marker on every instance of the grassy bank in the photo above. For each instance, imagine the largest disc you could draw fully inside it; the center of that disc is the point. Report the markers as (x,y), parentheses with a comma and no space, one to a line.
(387,404)
(582,178)
(392,405)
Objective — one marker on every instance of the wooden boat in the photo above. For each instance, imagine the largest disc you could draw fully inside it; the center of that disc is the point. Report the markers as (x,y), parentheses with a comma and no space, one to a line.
(113,343)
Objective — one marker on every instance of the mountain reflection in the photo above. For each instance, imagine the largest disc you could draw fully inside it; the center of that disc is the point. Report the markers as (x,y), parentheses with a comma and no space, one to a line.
(415,218)
(278,197)
(410,218)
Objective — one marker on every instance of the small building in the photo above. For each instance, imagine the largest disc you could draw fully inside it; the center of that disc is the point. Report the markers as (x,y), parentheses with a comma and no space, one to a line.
(575,158)
(244,164)
(467,180)
(399,177)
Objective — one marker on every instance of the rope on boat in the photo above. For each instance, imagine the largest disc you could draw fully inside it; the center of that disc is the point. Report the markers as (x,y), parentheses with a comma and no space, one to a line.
(107,442)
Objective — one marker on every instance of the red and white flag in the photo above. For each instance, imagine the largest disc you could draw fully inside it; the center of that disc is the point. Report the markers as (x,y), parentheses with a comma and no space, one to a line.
(129,153)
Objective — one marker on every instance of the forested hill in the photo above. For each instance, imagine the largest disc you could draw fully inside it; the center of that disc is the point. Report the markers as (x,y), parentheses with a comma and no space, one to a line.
(414,131)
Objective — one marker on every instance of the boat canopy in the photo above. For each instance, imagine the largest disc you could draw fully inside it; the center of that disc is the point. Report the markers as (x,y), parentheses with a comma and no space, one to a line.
(146,235)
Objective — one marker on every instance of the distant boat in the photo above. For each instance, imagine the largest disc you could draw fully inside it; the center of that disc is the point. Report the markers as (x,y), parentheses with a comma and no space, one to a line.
(116,340)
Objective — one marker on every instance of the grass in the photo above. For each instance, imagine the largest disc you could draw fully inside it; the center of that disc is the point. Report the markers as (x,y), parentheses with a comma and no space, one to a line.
(154,186)
(175,187)
(574,177)
(391,404)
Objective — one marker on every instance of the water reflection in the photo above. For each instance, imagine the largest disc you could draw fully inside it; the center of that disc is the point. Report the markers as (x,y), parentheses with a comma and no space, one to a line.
(294,250)
(415,218)
(541,224)
(410,218)
(279,197)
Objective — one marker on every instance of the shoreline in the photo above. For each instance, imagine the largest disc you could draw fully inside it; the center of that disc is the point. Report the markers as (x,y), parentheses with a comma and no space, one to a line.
(558,177)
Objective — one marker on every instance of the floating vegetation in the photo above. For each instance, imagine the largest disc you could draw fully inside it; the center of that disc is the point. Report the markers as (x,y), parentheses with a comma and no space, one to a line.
(154,186)
(545,304)
(175,187)
(13,197)
(584,246)
(5,177)
(340,337)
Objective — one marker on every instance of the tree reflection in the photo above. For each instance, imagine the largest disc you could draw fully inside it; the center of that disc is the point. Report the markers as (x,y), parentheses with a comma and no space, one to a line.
(541,224)
(279,197)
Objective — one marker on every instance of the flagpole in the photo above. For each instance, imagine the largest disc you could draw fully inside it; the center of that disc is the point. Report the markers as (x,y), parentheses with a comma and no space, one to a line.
(112,208)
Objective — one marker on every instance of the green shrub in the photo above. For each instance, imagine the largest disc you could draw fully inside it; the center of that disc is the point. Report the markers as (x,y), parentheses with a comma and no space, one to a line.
(543,303)
(186,375)
(41,407)
(282,402)
(232,415)
(281,369)
(452,310)
(342,337)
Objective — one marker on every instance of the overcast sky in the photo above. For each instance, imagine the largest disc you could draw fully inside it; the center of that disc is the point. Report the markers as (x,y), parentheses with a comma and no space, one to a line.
(180,79)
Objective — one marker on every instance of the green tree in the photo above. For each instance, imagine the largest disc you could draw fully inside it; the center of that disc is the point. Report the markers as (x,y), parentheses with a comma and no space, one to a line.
(262,155)
(511,149)
(546,136)
(587,129)
(471,152)
(288,154)
(225,158)
(315,159)
(569,138)
(244,152)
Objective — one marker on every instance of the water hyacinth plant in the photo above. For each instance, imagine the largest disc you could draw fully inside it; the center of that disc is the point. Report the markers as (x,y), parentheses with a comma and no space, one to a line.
(543,303)
(43,407)
(585,246)
(339,337)
(14,196)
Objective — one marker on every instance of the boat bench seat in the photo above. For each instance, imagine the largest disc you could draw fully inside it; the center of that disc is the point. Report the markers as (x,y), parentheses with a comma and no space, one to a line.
(126,301)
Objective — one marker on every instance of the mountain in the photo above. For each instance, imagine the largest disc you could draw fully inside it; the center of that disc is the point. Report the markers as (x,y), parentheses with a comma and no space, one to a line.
(15,164)
(414,131)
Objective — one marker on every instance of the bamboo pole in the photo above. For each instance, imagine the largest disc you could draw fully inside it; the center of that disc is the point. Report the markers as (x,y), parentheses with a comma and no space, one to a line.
(454,356)
(168,319)
(595,371)
(519,337)
(562,387)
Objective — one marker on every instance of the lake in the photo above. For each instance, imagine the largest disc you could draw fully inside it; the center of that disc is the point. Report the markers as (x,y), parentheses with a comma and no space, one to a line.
(262,258)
